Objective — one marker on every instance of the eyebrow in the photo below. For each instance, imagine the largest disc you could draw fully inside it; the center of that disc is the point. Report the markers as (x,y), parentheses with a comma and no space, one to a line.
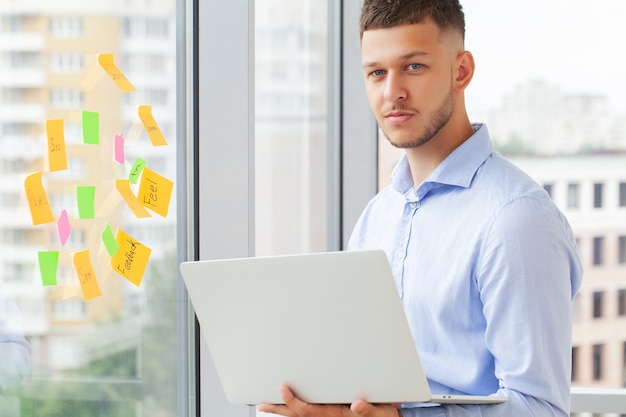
(403,58)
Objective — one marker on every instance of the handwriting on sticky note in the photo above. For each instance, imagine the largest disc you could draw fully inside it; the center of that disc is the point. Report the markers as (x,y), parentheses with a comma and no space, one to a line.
(37,200)
(155,192)
(85,196)
(48,261)
(123,186)
(151,126)
(91,127)
(86,275)
(135,171)
(107,63)
(119,149)
(108,238)
(63,227)
(57,156)
(131,258)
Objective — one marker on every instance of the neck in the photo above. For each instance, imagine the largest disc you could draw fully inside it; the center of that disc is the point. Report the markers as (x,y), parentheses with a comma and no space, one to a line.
(424,159)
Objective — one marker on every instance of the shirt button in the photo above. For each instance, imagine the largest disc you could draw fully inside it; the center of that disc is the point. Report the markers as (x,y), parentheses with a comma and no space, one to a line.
(400,254)
(413,205)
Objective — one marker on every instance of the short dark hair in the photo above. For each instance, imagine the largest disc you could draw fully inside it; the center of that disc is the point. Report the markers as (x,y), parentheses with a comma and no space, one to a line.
(380,14)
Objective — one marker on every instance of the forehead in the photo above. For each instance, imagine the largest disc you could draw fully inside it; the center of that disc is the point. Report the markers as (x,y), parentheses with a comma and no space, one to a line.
(398,41)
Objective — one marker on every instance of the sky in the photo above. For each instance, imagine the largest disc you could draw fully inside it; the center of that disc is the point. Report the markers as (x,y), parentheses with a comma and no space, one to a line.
(578,46)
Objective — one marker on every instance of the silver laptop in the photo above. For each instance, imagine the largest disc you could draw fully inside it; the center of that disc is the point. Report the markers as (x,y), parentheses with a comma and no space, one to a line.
(329,325)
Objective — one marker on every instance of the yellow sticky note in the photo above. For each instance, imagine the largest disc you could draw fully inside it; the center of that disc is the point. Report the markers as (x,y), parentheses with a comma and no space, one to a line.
(40,209)
(155,192)
(106,62)
(123,186)
(86,275)
(131,258)
(57,157)
(151,126)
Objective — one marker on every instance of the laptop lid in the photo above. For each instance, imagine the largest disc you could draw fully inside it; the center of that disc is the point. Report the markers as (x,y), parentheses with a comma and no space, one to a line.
(329,325)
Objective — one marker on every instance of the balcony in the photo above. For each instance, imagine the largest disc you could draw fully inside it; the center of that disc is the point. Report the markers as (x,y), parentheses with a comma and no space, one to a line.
(21,41)
(22,113)
(22,78)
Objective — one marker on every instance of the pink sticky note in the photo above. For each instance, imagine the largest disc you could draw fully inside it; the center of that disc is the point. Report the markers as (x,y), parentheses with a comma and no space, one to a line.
(119,148)
(63,226)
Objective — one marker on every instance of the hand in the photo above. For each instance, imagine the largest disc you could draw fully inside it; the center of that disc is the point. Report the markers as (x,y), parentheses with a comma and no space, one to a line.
(294,407)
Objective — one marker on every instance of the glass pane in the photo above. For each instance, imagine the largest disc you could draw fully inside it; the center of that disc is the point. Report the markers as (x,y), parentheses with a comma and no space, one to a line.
(291,144)
(87,312)
(555,104)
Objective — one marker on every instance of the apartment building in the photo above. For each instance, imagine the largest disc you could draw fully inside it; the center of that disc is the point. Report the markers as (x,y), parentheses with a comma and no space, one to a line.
(49,62)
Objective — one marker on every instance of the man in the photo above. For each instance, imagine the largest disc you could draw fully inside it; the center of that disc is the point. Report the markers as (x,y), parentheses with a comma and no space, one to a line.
(484,262)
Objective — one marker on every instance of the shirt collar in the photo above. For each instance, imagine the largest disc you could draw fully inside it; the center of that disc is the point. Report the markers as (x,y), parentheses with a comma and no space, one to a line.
(457,169)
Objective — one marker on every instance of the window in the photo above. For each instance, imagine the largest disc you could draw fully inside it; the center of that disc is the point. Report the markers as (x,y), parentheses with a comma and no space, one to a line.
(597,195)
(66,27)
(66,62)
(548,187)
(598,250)
(621,249)
(573,195)
(66,98)
(118,353)
(621,302)
(622,194)
(598,304)
(598,358)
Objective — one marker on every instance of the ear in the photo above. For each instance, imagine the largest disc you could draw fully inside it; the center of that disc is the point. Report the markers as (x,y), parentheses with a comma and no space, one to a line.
(464,70)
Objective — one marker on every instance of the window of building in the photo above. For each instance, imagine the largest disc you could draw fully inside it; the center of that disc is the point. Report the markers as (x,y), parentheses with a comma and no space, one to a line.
(66,98)
(548,187)
(65,26)
(621,302)
(66,62)
(598,304)
(598,250)
(598,189)
(622,194)
(573,191)
(621,249)
(598,358)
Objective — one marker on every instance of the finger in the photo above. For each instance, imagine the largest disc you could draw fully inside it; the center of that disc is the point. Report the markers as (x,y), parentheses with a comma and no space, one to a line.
(293,402)
(365,409)
(275,409)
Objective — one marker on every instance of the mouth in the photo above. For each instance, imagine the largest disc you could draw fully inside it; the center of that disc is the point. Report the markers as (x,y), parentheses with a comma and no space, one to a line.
(398,116)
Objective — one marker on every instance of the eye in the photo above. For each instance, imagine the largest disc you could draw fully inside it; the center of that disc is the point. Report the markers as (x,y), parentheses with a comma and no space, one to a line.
(414,67)
(377,73)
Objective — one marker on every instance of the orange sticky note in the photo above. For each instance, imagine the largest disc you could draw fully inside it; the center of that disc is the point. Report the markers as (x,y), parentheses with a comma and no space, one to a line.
(155,192)
(57,157)
(40,209)
(123,186)
(151,126)
(86,275)
(131,258)
(107,63)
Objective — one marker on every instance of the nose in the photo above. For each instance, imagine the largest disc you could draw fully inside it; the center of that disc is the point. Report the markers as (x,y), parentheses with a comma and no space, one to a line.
(394,87)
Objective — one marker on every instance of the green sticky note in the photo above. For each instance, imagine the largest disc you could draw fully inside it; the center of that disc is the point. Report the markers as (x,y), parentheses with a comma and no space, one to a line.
(109,240)
(48,267)
(136,170)
(91,128)
(85,196)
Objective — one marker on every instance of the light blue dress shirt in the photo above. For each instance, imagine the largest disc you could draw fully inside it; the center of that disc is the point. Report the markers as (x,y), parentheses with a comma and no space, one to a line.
(487,267)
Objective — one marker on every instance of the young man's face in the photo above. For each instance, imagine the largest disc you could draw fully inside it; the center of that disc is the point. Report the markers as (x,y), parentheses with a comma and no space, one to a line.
(409,73)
